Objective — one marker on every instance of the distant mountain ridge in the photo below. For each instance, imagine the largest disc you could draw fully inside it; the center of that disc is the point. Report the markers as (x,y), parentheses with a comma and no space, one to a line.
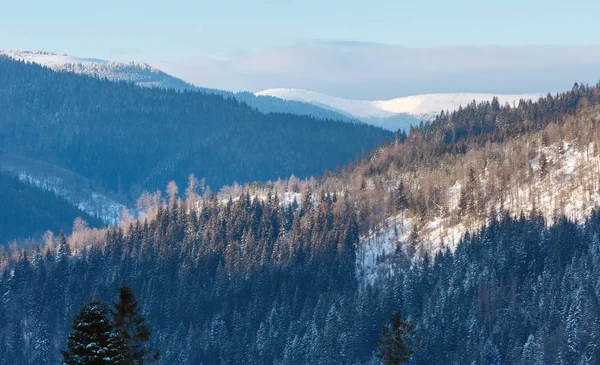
(141,74)
(145,75)
(83,193)
(398,113)
(29,210)
(128,138)
(393,114)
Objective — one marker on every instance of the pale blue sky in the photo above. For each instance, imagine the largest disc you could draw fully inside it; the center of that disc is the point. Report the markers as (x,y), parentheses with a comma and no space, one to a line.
(170,30)
(372,49)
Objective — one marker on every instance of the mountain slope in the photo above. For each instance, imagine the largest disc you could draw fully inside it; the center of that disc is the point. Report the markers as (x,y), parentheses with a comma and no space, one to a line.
(267,274)
(27,211)
(127,138)
(420,195)
(85,194)
(145,75)
(397,113)
(394,114)
(140,74)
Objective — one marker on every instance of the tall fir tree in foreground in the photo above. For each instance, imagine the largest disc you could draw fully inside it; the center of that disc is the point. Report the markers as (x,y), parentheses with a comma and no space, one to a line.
(399,341)
(131,328)
(93,341)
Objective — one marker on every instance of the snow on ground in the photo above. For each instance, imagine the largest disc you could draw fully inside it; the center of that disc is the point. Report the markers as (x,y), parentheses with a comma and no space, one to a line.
(425,106)
(374,257)
(140,74)
(48,59)
(96,205)
(570,187)
(290,197)
(566,187)
(357,108)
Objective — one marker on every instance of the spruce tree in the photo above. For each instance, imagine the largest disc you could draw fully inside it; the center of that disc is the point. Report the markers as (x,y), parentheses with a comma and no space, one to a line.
(401,200)
(131,328)
(62,250)
(93,341)
(543,165)
(399,341)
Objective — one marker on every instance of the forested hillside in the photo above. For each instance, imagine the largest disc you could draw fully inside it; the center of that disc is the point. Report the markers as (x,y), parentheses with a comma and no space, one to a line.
(27,211)
(129,138)
(456,173)
(83,193)
(255,283)
(479,227)
(142,74)
(257,264)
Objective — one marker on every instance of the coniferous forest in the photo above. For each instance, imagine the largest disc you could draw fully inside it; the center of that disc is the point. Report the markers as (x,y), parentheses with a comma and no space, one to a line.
(28,212)
(128,138)
(249,282)
(275,273)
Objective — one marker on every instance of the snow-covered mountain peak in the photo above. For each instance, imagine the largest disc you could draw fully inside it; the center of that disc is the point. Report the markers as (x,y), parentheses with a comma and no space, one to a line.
(145,75)
(141,74)
(356,108)
(429,105)
(394,114)
(48,59)
(424,106)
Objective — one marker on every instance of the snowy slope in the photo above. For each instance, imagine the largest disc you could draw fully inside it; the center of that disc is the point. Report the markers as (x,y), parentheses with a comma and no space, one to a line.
(420,107)
(83,193)
(357,108)
(570,189)
(139,73)
(49,59)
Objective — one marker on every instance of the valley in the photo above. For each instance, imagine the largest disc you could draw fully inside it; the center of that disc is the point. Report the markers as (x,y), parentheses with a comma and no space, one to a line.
(286,226)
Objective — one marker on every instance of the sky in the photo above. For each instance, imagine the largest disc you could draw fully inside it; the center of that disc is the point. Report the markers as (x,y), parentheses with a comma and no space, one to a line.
(225,38)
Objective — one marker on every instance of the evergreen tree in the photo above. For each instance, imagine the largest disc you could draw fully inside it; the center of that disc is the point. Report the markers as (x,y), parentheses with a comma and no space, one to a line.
(93,341)
(401,199)
(62,250)
(533,352)
(399,341)
(42,353)
(131,328)
(543,165)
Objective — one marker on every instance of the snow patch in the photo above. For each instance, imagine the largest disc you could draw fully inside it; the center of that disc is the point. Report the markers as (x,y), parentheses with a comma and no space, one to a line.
(376,252)
(568,188)
(96,205)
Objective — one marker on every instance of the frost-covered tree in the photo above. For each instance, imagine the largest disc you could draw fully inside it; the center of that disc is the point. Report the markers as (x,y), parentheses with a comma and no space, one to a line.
(93,340)
(62,247)
(533,352)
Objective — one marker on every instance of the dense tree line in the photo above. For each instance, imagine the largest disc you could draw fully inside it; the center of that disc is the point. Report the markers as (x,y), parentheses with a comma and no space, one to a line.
(517,293)
(128,138)
(254,282)
(27,212)
(481,123)
(230,282)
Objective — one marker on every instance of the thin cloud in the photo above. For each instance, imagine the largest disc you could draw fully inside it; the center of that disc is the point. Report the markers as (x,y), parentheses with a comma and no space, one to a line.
(375,71)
